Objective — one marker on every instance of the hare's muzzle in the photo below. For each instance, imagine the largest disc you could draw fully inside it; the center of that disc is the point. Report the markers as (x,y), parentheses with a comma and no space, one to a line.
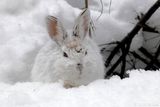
(79,67)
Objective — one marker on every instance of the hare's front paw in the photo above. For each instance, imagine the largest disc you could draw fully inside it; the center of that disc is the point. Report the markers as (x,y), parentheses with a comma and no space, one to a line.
(68,86)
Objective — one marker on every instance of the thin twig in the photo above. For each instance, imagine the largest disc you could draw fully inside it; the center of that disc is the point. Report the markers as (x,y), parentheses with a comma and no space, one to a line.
(101,10)
(140,58)
(110,3)
(86,3)
(157,52)
(147,54)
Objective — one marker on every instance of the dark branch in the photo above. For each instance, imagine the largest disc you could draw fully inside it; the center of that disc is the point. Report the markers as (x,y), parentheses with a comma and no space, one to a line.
(128,39)
(86,3)
(147,54)
(140,58)
(157,52)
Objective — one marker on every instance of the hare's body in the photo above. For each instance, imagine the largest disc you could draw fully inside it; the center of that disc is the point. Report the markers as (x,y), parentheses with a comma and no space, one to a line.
(74,59)
(51,66)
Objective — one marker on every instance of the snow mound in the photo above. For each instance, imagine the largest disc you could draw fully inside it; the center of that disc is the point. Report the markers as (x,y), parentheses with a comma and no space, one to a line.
(142,89)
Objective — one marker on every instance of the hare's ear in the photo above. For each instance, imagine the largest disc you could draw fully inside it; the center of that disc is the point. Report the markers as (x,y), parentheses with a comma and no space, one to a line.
(56,30)
(82,24)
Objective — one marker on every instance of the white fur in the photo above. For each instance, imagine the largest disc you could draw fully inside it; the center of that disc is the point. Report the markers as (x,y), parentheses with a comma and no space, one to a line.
(51,66)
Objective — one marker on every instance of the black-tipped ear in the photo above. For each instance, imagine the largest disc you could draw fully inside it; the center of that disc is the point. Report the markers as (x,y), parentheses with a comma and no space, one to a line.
(82,24)
(56,30)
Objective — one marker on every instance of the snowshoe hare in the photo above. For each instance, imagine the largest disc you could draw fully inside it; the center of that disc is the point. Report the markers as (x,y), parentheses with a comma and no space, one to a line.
(74,59)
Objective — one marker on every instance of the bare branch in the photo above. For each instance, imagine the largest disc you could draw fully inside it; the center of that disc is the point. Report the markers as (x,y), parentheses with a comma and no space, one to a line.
(127,41)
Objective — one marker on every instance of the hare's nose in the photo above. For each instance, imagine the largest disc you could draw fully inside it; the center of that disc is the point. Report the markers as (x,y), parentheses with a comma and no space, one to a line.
(79,66)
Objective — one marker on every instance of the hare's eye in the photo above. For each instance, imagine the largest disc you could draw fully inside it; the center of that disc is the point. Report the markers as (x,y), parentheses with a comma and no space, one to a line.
(65,54)
(86,53)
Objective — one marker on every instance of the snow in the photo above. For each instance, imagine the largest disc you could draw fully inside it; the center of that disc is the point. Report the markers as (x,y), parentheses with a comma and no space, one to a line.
(142,89)
(23,30)
(23,33)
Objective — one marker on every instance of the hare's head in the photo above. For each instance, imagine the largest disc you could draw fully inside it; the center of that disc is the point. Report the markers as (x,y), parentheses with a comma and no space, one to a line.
(72,45)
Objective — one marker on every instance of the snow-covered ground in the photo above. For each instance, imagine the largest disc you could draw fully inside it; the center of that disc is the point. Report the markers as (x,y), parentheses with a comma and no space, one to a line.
(142,89)
(23,33)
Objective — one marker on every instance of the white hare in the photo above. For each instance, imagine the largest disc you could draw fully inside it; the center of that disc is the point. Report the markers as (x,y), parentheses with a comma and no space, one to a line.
(75,59)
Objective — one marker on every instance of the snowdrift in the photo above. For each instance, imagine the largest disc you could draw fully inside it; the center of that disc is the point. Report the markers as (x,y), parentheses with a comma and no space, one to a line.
(142,89)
